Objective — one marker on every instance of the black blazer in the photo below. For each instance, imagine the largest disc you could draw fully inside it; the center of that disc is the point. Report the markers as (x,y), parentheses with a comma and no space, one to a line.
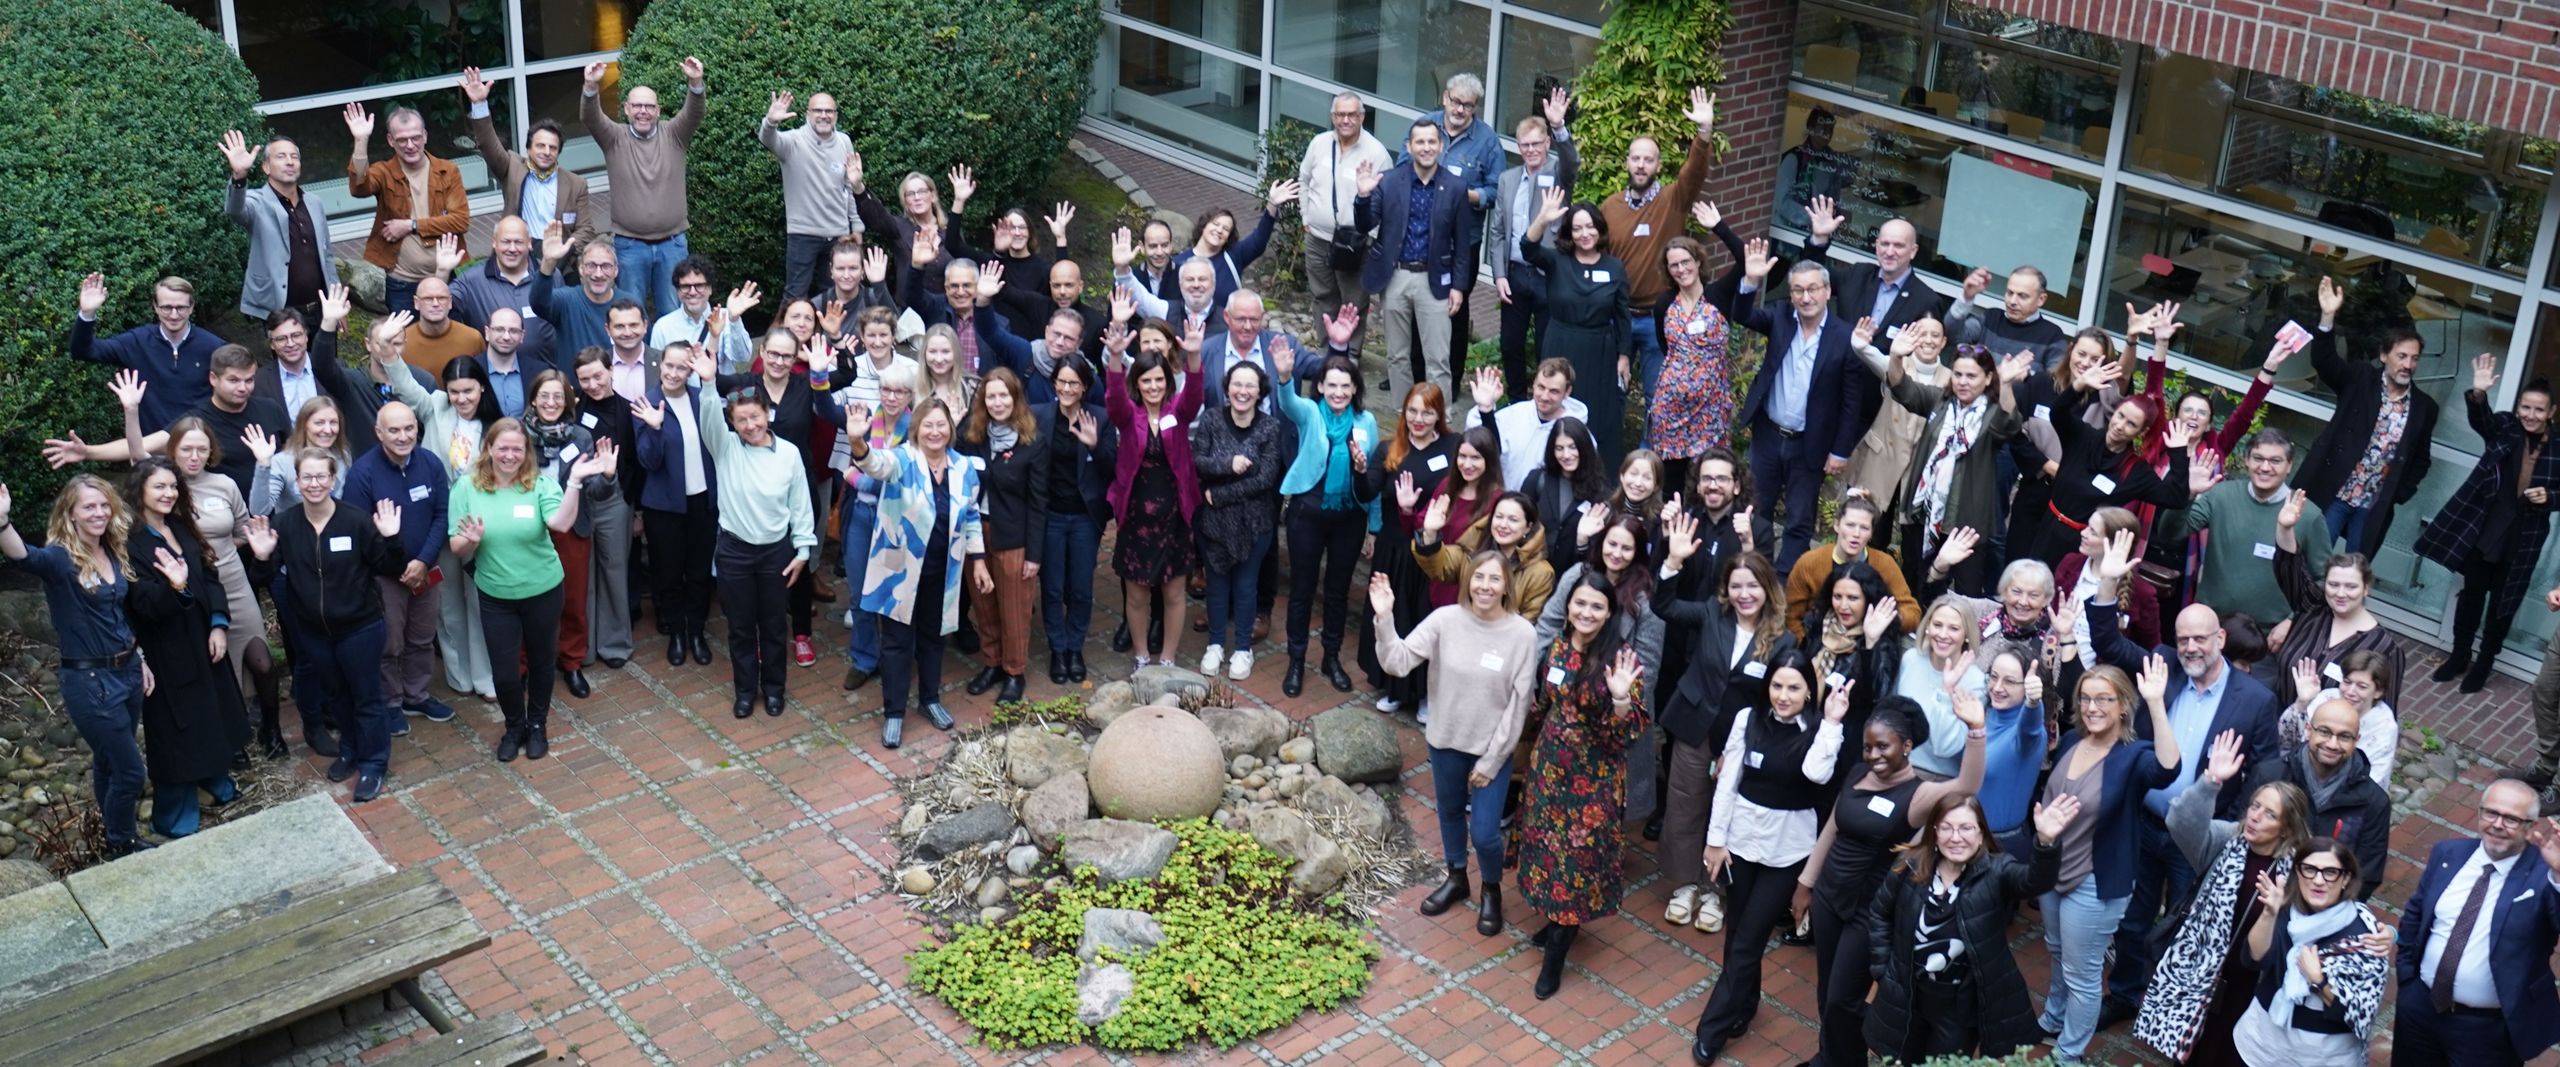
(1094,466)
(359,400)
(2341,444)
(1842,397)
(1016,487)
(1700,712)
(1450,250)
(1854,285)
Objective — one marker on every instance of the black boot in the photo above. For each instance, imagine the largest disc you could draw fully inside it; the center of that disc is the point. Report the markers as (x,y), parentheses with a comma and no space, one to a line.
(1012,691)
(2477,678)
(1551,969)
(537,738)
(1057,669)
(1075,665)
(1120,637)
(1489,909)
(985,679)
(2454,664)
(701,646)
(676,648)
(1451,891)
(1295,681)
(511,742)
(1333,671)
(270,724)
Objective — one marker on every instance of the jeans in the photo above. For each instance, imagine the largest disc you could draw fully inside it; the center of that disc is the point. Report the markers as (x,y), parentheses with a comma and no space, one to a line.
(751,595)
(2077,926)
(2346,523)
(1066,584)
(1648,354)
(1468,814)
(176,811)
(526,629)
(310,695)
(1231,598)
(1321,542)
(862,639)
(1777,471)
(648,271)
(398,295)
(910,650)
(105,704)
(804,265)
(2160,875)
(350,667)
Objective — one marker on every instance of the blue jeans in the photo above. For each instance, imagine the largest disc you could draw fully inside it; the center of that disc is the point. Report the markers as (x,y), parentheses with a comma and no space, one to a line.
(2160,875)
(2077,927)
(1648,354)
(175,809)
(105,704)
(648,271)
(2346,524)
(862,641)
(349,667)
(399,295)
(1066,583)
(1232,599)
(1467,813)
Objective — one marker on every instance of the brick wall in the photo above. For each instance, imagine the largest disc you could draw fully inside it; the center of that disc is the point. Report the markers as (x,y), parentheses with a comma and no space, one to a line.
(1752,111)
(2495,62)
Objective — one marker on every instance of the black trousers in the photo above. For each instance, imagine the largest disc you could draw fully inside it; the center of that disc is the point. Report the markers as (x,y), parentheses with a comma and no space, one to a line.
(911,653)
(1327,543)
(680,545)
(1841,982)
(751,596)
(2482,577)
(1946,1020)
(527,628)
(1754,906)
(1525,314)
(2422,1038)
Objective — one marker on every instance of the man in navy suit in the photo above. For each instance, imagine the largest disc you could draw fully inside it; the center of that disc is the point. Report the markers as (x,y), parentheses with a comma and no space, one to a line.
(2207,699)
(1423,258)
(1811,401)
(2474,959)
(1887,290)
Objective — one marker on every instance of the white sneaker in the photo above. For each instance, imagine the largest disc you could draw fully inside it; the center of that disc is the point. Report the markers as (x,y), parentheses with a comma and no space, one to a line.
(1389,705)
(1683,906)
(1710,914)
(1213,660)
(1422,714)
(1240,665)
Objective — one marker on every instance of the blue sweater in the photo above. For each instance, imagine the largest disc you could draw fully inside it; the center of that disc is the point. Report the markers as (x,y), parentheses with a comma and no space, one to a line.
(2012,755)
(1306,472)
(419,490)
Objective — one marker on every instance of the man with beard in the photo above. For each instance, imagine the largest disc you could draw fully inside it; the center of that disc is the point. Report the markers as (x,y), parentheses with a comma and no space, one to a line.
(537,188)
(1646,216)
(646,159)
(289,264)
(2346,803)
(2491,529)
(2375,451)
(417,198)
(509,280)
(817,201)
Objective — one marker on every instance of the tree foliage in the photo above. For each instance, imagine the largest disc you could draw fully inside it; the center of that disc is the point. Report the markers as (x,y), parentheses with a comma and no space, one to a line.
(1651,52)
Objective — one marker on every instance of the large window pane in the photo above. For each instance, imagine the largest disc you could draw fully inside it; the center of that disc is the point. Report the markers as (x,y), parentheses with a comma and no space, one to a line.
(1400,49)
(1235,24)
(555,96)
(302,47)
(1531,49)
(1871,57)
(557,28)
(1592,11)
(207,12)
(2009,91)
(1974,206)
(1179,93)
(2032,33)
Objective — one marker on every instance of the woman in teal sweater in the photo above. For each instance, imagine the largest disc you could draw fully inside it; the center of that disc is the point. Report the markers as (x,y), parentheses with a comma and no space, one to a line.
(1331,510)
(500,519)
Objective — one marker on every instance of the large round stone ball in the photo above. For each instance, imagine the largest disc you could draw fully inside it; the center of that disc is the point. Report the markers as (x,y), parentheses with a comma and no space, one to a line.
(1156,763)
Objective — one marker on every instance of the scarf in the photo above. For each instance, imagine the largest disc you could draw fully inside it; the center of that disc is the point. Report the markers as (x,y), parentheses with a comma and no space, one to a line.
(2307,929)
(1839,640)
(1002,437)
(1337,461)
(1964,421)
(2321,792)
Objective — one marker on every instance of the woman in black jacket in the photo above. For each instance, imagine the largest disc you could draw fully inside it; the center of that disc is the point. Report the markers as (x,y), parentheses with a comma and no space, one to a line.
(1946,983)
(193,717)
(1738,636)
(1573,477)
(1003,432)
(1083,450)
(1238,451)
(330,556)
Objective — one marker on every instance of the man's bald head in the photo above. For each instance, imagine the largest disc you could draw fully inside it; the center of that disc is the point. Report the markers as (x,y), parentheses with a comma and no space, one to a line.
(1896,242)
(2332,733)
(1066,282)
(395,428)
(434,300)
(2198,633)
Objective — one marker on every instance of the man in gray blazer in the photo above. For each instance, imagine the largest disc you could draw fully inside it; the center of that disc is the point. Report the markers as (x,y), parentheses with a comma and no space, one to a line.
(289,264)
(536,187)
(1547,161)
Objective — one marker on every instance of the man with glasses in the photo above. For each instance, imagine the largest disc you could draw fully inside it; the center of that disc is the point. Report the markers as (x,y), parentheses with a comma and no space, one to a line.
(415,481)
(2207,699)
(416,198)
(578,315)
(1547,161)
(1811,401)
(817,202)
(2474,957)
(2236,573)
(437,338)
(1471,152)
(1646,215)
(510,279)
(693,318)
(1886,291)
(1330,178)
(2346,803)
(646,160)
(171,354)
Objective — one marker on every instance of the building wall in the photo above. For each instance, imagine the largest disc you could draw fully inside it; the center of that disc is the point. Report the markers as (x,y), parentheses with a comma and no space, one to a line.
(1752,106)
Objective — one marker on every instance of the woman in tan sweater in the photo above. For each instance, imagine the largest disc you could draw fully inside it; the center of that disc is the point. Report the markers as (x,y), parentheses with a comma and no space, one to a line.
(1481,655)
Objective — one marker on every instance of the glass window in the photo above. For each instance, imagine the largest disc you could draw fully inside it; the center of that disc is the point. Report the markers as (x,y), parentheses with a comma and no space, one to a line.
(1871,57)
(206,12)
(1181,94)
(554,28)
(1400,49)
(555,96)
(1531,50)
(2032,33)
(1235,24)
(1974,206)
(303,47)
(2010,91)
(1590,11)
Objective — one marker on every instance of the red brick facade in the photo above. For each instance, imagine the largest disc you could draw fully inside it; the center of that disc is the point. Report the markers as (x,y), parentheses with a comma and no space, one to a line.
(1752,111)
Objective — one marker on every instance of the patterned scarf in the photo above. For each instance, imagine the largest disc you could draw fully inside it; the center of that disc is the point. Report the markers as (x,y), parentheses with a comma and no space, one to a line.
(1964,421)
(2306,929)
(2183,983)
(1839,640)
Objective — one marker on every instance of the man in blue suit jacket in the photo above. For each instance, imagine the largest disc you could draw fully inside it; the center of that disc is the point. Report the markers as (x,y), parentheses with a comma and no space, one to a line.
(1811,401)
(2207,699)
(2492,1004)
(1422,259)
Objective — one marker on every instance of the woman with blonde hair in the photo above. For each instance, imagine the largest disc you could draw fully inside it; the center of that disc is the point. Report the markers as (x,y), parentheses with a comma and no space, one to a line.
(501,518)
(1938,666)
(929,525)
(2107,768)
(944,379)
(318,425)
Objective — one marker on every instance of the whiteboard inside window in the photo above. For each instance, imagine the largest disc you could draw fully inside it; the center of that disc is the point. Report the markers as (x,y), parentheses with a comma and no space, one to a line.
(2002,219)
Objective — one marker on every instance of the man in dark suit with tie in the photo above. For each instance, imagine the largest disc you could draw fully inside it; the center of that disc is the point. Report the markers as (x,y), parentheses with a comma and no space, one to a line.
(1887,290)
(1811,401)
(1422,260)
(2475,945)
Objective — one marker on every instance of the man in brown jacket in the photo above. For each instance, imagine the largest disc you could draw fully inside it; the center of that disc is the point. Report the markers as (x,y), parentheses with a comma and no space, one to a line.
(538,189)
(416,199)
(1646,216)
(646,161)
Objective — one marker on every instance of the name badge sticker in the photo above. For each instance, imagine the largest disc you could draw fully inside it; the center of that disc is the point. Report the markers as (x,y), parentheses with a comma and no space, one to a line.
(1644,229)
(1166,423)
(1755,669)
(2045,412)
(587,420)
(2332,673)
(419,492)
(1455,170)
(1697,327)
(524,511)
(2263,550)
(1492,661)
(1599,277)
(342,544)
(1546,181)
(1438,463)
(1881,805)
(1893,333)
(1835,680)
(1555,676)
(2104,483)
(1752,758)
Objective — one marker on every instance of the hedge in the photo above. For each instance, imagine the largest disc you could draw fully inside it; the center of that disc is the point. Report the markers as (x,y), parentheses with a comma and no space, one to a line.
(920,84)
(1651,52)
(110,152)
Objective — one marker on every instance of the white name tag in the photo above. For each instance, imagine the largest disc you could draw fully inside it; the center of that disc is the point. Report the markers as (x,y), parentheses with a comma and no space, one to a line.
(1492,661)
(1892,332)
(419,492)
(1697,327)
(2104,483)
(1751,758)
(342,544)
(569,454)
(2332,673)
(1599,277)
(1580,507)
(2263,550)
(524,511)
(1555,676)
(1546,181)
(2045,412)
(1644,229)
(1444,277)
(1755,669)
(527,311)
(1835,680)
(1455,170)
(1438,463)
(588,420)
(1881,805)
(1360,437)
(1166,423)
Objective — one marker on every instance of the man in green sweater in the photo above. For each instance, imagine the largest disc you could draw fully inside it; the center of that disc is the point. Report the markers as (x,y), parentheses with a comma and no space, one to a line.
(2238,569)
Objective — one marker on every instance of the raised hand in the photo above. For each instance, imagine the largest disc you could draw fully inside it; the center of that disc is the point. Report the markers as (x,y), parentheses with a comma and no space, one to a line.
(2178,434)
(1343,326)
(2066,614)
(1959,547)
(2136,323)
(1756,260)
(396,323)
(1487,388)
(1623,673)
(1082,424)
(1408,495)
(601,460)
(593,74)
(853,170)
(1436,518)
(651,413)
(172,567)
(1594,519)
(2016,368)
(1864,333)
(692,69)
(1284,191)
(1368,176)
(2155,681)
(128,387)
(2332,300)
(1742,528)
(778,110)
(1702,109)
(2164,321)
(475,88)
(2055,816)
(4,503)
(1556,106)
(262,445)
(1194,335)
(2306,679)
(236,151)
(63,452)
(1382,594)
(555,244)
(1822,214)
(990,281)
(359,124)
(2291,512)
(448,253)
(261,536)
(1059,219)
(2202,476)
(745,296)
(2118,561)
(470,529)
(1969,708)
(1835,707)
(2484,372)
(1124,250)
(1976,283)
(875,265)
(1880,617)
(93,294)
(2545,835)
(927,244)
(2227,758)
(1359,455)
(1550,207)
(1707,215)
(964,185)
(1124,303)
(386,514)
(2270,892)
(831,321)
(1680,534)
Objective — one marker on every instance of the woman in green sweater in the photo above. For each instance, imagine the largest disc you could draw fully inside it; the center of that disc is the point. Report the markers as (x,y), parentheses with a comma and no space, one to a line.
(500,519)
(1482,655)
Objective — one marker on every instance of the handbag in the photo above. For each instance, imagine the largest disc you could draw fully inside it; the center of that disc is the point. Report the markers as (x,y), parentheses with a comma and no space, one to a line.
(1350,245)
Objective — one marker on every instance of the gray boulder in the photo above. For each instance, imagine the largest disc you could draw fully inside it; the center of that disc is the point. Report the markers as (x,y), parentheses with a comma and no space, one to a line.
(1255,731)
(23,611)
(1055,808)
(1365,814)
(1118,850)
(1100,991)
(1033,755)
(1130,933)
(365,283)
(1356,745)
(955,834)
(1320,864)
(1108,704)
(1162,684)
(1156,763)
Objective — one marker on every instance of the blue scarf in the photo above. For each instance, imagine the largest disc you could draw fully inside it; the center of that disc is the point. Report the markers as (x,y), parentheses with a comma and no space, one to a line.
(1337,465)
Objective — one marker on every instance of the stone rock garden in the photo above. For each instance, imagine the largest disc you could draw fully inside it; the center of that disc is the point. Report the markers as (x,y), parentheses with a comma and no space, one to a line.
(1153,868)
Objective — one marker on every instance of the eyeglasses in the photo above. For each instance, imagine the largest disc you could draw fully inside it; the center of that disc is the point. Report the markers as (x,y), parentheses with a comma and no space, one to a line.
(315,479)
(899,390)
(1807,290)
(693,285)
(2325,734)
(2323,874)
(2493,817)
(1959,829)
(175,308)
(2101,700)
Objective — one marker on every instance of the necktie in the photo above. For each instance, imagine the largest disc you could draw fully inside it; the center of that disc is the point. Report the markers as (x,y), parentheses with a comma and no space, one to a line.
(968,333)
(2452,958)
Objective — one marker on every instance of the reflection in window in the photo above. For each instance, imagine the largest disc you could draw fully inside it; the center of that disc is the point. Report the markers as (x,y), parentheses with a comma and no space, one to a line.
(557,28)
(1531,50)
(1869,57)
(1590,11)
(1974,206)
(1235,24)
(303,47)
(2032,33)
(1180,94)
(1998,73)
(1400,49)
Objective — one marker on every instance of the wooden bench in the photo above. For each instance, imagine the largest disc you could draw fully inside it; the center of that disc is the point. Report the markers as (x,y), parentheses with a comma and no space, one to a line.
(503,1041)
(208,994)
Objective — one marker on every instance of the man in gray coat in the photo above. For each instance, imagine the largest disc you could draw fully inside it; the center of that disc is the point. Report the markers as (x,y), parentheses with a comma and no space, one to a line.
(1547,161)
(817,201)
(289,264)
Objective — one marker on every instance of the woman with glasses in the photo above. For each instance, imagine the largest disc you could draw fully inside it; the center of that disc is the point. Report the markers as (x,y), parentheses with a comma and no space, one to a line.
(893,386)
(2206,978)
(2014,740)
(2319,980)
(2106,768)
(2330,616)
(1946,982)
(1084,450)
(559,439)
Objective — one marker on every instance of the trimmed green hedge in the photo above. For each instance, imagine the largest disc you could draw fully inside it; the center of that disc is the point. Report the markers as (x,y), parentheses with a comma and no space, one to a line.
(110,152)
(921,84)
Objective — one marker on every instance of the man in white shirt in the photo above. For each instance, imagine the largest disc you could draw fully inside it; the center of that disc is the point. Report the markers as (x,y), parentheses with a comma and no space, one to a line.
(1523,427)
(2474,957)
(1330,174)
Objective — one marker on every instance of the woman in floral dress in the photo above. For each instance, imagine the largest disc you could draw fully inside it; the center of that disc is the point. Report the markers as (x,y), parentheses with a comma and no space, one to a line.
(1591,700)
(1692,407)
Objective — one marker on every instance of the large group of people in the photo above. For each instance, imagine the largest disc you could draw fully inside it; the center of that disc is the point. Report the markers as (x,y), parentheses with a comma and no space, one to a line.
(2041,652)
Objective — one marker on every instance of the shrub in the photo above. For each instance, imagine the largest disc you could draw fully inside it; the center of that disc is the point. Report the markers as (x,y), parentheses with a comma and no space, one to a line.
(921,84)
(1284,263)
(110,153)
(1651,52)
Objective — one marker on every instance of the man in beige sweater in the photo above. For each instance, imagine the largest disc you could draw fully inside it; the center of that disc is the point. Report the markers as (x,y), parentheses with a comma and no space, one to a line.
(645,159)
